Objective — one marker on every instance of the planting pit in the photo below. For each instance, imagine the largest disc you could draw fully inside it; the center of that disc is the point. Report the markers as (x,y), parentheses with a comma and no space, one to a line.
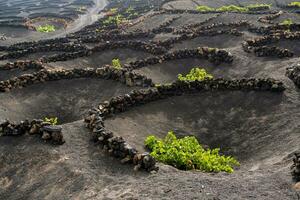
(217,41)
(68,100)
(99,59)
(8,74)
(167,72)
(241,124)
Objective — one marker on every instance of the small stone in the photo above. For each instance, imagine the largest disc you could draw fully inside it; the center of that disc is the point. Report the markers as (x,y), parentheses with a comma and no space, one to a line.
(46,136)
(297,186)
(57,138)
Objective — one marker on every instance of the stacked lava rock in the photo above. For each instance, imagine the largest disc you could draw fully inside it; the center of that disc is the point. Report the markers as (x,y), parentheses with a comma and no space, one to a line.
(213,55)
(296,166)
(272,51)
(47,131)
(116,145)
(24,65)
(294,74)
(122,75)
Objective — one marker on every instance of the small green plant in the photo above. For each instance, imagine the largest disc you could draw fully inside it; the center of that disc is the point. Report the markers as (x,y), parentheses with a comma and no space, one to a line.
(116,63)
(232,8)
(114,20)
(204,9)
(196,74)
(295,4)
(51,120)
(287,22)
(113,10)
(255,7)
(187,154)
(46,28)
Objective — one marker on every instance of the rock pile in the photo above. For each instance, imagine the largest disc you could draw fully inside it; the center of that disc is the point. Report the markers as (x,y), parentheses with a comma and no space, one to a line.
(136,45)
(214,55)
(122,75)
(2,37)
(194,34)
(107,36)
(40,47)
(23,65)
(116,145)
(268,18)
(275,29)
(296,167)
(280,35)
(266,51)
(138,97)
(258,45)
(294,74)
(195,29)
(47,131)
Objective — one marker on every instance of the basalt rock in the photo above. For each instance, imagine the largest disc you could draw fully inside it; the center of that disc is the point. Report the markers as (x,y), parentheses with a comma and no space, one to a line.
(296,167)
(138,97)
(116,145)
(23,65)
(108,72)
(213,55)
(54,133)
(266,51)
(45,130)
(294,74)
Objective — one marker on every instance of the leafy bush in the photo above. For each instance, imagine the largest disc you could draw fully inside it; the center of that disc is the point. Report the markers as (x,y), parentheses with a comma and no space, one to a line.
(186,154)
(232,8)
(51,120)
(116,63)
(295,4)
(204,9)
(196,74)
(287,22)
(46,28)
(254,7)
(114,20)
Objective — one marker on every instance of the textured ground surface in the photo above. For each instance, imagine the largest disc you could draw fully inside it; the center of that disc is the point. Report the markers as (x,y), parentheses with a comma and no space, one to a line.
(260,129)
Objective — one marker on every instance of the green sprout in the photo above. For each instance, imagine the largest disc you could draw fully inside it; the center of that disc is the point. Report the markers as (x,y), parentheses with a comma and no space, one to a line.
(46,28)
(187,154)
(287,22)
(116,64)
(232,8)
(196,74)
(295,4)
(51,120)
(204,9)
(255,7)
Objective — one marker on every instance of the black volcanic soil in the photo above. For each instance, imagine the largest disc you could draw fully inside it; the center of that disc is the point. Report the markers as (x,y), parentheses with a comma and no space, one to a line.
(261,129)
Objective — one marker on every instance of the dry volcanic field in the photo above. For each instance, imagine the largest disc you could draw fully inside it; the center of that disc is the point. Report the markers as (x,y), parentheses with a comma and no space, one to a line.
(250,109)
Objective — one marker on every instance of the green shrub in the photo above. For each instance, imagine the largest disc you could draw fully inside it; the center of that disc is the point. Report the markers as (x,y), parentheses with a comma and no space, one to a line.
(116,63)
(295,4)
(46,28)
(232,8)
(196,74)
(114,20)
(51,120)
(187,154)
(254,7)
(204,9)
(286,22)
